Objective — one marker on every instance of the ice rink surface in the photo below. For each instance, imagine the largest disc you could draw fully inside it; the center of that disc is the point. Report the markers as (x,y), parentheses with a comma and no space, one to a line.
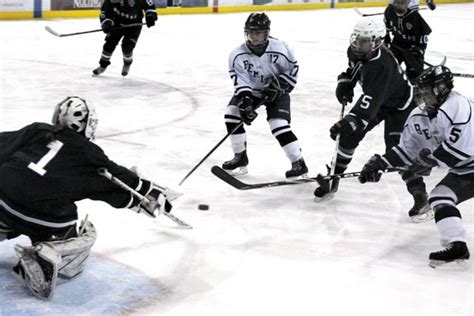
(261,252)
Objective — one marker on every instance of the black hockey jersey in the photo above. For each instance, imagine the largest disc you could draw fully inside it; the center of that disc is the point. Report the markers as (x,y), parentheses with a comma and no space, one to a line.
(383,82)
(43,171)
(407,30)
(124,12)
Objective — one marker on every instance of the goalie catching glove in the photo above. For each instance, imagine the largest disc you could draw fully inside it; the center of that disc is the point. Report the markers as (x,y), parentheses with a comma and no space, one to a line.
(155,201)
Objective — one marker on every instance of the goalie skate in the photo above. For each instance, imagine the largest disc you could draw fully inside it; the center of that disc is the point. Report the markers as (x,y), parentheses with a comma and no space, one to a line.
(237,165)
(454,256)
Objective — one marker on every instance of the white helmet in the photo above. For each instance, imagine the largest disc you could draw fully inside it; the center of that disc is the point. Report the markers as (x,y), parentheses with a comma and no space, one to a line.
(74,113)
(368,36)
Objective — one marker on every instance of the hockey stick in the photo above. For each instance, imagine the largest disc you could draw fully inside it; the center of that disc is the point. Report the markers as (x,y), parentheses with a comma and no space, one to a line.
(105,173)
(218,144)
(379,13)
(455,74)
(50,30)
(236,183)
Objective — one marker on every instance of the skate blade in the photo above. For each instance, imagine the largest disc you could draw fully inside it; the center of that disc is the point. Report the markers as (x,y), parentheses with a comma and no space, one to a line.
(421,218)
(460,264)
(303,176)
(240,171)
(326,197)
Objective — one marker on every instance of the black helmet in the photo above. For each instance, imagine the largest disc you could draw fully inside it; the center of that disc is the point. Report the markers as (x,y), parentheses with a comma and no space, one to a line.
(257,22)
(433,87)
(257,31)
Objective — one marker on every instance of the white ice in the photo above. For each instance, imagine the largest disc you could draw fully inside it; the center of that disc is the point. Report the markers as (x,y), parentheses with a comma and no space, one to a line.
(262,252)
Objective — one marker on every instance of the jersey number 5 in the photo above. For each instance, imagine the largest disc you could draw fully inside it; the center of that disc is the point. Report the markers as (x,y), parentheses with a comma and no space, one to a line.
(38,167)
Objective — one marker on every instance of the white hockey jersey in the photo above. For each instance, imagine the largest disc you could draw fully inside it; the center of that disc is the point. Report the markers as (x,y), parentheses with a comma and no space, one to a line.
(253,73)
(449,136)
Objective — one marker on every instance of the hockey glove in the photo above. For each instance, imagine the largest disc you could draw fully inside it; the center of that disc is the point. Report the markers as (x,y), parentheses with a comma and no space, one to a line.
(345,127)
(424,163)
(107,26)
(246,109)
(344,89)
(372,169)
(431,4)
(150,18)
(276,89)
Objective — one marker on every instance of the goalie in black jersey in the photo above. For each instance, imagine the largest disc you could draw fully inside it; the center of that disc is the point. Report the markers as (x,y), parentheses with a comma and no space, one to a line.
(407,36)
(387,96)
(117,14)
(44,170)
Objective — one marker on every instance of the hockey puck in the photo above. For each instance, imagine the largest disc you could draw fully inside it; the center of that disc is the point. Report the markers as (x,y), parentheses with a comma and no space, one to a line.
(203,207)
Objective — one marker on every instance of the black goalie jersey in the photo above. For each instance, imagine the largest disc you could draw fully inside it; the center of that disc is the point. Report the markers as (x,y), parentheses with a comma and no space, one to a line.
(43,171)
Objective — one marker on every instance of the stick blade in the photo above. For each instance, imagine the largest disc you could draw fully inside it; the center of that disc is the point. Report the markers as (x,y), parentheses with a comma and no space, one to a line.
(51,31)
(229,179)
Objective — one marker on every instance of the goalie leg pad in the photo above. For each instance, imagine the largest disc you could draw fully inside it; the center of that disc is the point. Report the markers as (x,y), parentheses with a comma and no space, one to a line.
(75,251)
(38,269)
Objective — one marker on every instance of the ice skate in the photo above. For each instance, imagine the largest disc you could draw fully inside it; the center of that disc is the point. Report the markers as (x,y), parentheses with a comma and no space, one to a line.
(298,170)
(237,165)
(326,190)
(126,69)
(99,70)
(455,253)
(421,211)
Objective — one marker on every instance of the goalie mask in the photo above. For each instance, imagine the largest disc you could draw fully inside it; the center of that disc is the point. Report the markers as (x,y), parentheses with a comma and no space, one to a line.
(257,31)
(432,88)
(367,37)
(74,113)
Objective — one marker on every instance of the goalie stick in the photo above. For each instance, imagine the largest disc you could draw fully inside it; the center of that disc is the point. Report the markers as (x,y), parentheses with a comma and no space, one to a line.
(105,173)
(236,183)
(51,31)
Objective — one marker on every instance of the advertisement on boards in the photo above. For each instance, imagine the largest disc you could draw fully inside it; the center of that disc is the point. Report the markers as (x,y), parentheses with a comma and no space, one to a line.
(16,5)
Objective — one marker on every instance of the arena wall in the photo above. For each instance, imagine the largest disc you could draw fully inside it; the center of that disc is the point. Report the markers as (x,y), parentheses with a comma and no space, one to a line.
(31,9)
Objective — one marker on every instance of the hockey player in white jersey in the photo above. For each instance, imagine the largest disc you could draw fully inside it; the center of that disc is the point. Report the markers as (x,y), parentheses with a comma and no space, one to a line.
(439,133)
(264,71)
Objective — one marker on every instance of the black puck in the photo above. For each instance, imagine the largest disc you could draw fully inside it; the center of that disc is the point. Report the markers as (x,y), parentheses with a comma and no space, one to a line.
(203,207)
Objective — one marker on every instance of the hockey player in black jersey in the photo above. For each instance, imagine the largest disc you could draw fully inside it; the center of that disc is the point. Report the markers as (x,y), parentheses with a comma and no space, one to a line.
(44,170)
(440,133)
(387,96)
(116,14)
(407,36)
(263,70)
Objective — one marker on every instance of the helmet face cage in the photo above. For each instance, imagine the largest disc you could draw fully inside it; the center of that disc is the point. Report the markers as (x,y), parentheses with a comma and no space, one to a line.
(74,113)
(257,31)
(433,87)
(367,37)
(400,6)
